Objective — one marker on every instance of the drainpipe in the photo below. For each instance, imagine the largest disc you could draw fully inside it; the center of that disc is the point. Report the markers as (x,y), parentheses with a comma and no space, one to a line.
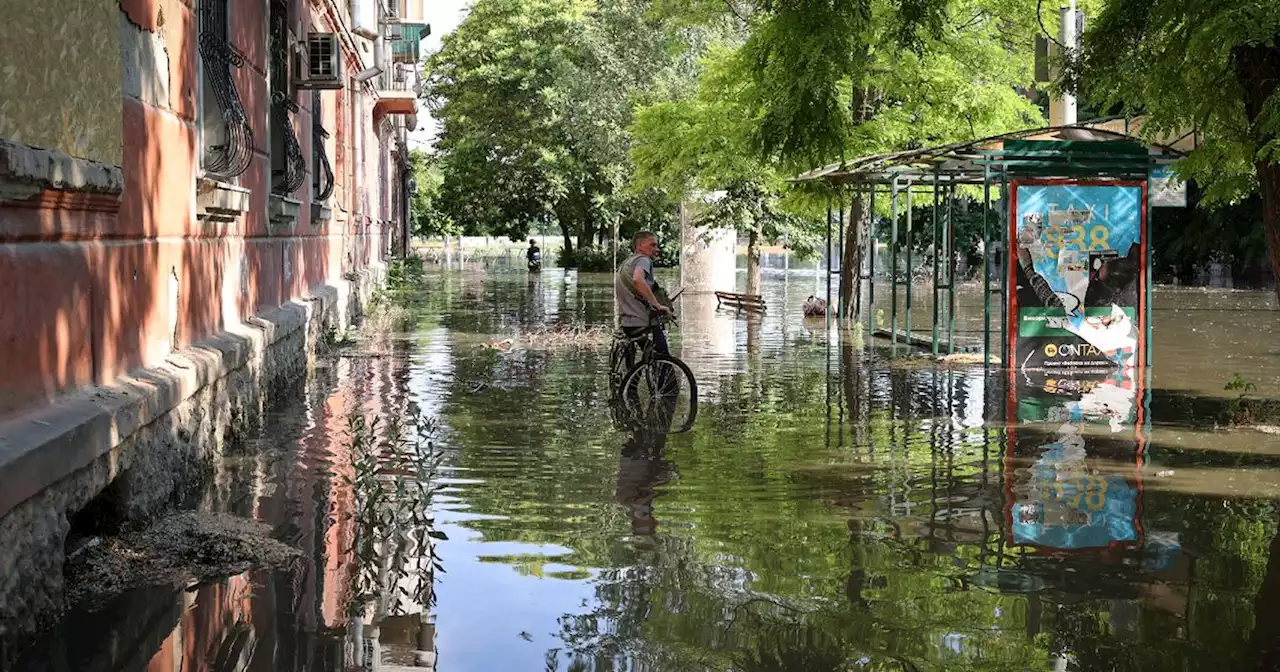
(343,29)
(405,174)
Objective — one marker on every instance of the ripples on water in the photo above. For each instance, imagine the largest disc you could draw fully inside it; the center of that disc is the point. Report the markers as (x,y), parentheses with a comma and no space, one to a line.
(833,509)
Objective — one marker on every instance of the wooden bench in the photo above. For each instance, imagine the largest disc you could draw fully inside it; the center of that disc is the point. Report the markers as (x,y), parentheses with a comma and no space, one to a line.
(751,303)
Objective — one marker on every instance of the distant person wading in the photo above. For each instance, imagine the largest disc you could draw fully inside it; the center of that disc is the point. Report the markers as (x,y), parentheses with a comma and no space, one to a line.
(533,256)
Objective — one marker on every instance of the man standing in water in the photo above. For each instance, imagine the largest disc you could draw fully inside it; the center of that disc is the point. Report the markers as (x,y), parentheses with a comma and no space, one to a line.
(533,256)
(633,290)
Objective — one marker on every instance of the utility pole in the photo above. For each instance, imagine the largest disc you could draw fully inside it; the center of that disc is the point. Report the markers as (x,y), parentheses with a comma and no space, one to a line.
(1062,107)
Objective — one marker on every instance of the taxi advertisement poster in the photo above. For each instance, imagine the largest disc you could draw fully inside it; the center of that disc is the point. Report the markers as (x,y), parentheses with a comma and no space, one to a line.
(1078,275)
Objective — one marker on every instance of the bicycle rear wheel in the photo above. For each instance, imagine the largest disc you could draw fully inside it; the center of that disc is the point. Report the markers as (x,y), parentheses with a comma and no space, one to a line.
(661,395)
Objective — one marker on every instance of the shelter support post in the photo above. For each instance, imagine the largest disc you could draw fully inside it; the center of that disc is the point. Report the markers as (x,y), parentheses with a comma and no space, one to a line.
(951,271)
(1004,266)
(840,246)
(937,254)
(986,266)
(909,243)
(827,317)
(893,270)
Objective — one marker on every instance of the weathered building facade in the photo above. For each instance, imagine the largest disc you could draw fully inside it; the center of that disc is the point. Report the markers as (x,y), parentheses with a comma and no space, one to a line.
(193,193)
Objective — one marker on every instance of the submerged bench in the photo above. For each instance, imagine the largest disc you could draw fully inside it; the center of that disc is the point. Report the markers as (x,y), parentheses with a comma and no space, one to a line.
(747,302)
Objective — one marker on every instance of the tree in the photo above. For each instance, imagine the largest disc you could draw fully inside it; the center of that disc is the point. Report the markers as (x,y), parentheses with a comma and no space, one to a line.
(535,99)
(492,86)
(424,212)
(817,82)
(1208,66)
(702,144)
(916,74)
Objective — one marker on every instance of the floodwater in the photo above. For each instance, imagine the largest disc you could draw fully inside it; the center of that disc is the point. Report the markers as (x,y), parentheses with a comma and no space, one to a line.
(833,508)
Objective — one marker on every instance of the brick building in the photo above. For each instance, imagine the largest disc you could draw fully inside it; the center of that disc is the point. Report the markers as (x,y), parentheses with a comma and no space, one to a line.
(192,193)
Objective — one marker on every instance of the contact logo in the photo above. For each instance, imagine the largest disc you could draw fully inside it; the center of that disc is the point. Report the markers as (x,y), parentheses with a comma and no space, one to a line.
(1072,350)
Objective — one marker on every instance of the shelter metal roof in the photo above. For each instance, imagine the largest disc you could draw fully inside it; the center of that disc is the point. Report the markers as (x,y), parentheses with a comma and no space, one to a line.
(968,162)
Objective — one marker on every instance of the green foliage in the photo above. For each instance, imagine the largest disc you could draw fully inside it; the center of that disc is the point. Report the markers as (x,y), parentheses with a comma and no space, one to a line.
(1240,408)
(405,272)
(394,466)
(1206,67)
(967,223)
(1188,65)
(591,259)
(1186,240)
(424,206)
(535,99)
(702,144)
(838,80)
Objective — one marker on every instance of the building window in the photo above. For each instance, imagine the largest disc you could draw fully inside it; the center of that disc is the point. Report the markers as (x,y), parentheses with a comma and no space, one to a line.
(288,165)
(227,138)
(321,171)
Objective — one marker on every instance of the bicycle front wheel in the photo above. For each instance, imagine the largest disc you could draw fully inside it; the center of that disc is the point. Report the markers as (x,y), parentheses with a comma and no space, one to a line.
(661,395)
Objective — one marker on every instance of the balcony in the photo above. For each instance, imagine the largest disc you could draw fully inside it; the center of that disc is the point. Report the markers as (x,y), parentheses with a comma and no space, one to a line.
(405,40)
(397,92)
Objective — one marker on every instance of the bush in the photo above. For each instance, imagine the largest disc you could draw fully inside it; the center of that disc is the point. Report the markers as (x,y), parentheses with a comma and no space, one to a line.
(589,259)
(404,272)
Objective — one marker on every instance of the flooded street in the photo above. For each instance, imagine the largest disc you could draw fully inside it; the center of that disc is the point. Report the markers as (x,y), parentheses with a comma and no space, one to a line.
(832,508)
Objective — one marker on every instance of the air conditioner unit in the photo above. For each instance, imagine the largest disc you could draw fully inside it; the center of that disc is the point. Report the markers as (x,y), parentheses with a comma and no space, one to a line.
(321,65)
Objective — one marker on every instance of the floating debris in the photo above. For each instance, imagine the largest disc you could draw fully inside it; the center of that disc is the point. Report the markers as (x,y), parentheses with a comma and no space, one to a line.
(175,551)
(554,337)
(815,307)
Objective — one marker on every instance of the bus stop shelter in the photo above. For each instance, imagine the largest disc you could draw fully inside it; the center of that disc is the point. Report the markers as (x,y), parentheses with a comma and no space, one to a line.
(1102,150)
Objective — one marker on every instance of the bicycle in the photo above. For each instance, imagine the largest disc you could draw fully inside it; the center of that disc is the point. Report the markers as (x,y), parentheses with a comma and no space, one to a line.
(647,391)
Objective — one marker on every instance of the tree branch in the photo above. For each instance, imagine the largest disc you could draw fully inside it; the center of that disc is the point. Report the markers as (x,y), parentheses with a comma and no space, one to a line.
(1040,20)
(734,10)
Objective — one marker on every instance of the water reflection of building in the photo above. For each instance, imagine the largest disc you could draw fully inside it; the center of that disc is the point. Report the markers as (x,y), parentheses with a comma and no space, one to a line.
(303,618)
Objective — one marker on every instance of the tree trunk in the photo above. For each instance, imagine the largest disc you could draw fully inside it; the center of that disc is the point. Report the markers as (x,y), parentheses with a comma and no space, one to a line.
(1269,181)
(1266,628)
(1256,67)
(567,254)
(851,259)
(587,235)
(753,263)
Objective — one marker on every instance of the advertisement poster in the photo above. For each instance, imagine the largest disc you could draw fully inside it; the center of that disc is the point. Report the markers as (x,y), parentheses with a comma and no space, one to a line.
(1069,485)
(1078,281)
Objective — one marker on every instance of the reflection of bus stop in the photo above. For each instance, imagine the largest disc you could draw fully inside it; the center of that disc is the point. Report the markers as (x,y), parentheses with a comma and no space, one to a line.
(1091,150)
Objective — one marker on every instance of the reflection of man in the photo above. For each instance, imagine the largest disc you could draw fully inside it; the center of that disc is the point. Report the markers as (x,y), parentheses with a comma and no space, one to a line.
(634,287)
(642,468)
(640,471)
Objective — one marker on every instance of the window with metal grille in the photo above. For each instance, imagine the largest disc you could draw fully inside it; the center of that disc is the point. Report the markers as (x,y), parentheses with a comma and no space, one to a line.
(288,165)
(321,172)
(227,144)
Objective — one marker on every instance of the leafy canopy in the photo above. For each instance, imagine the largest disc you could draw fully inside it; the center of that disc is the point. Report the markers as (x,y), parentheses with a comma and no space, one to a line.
(1183,66)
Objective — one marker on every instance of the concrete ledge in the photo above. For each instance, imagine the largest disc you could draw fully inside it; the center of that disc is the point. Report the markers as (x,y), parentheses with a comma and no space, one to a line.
(283,211)
(26,171)
(220,202)
(151,438)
